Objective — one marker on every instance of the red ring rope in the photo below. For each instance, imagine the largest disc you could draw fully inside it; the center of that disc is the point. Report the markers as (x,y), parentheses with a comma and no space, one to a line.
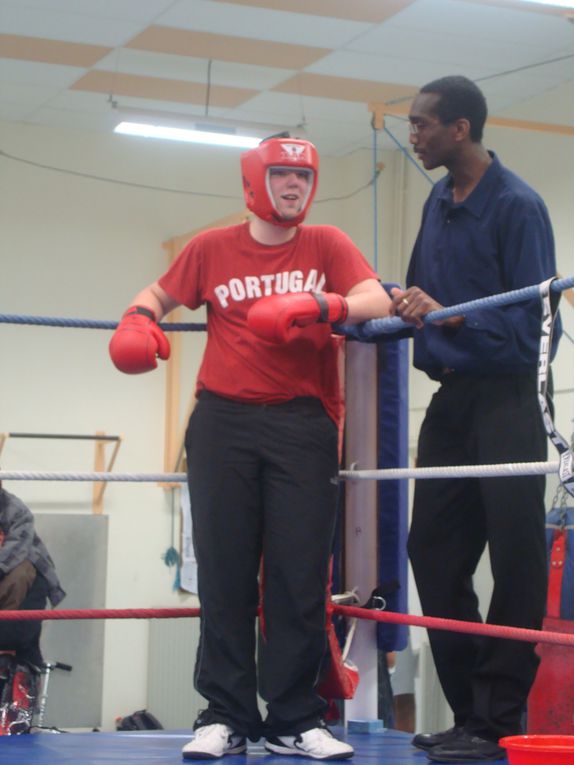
(430,622)
(453,625)
(100,613)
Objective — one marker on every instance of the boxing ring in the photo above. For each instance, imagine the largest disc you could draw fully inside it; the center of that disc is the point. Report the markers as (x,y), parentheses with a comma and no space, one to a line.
(164,748)
(159,747)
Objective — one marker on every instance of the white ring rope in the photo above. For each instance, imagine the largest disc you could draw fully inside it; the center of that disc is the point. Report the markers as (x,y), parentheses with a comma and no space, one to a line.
(384,474)
(23,475)
(454,471)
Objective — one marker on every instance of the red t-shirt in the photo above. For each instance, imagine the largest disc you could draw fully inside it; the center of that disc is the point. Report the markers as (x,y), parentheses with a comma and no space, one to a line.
(229,271)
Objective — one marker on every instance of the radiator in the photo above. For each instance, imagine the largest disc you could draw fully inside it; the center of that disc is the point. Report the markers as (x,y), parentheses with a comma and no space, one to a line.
(433,712)
(172,648)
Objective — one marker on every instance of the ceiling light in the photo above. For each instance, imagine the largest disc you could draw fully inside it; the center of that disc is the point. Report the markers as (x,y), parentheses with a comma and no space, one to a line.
(214,138)
(556,3)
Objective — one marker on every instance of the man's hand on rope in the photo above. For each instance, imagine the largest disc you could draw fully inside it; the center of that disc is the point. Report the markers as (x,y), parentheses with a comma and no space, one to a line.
(412,305)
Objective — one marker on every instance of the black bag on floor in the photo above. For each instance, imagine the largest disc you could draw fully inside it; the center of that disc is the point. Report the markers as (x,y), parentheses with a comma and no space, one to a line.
(141,720)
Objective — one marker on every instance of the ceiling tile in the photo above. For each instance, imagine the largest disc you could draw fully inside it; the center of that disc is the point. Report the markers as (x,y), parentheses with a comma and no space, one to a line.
(81,101)
(528,7)
(33,73)
(261,23)
(78,120)
(346,89)
(476,21)
(72,27)
(205,45)
(463,54)
(26,95)
(149,64)
(134,10)
(294,110)
(560,67)
(555,105)
(389,69)
(50,51)
(160,89)
(373,11)
(502,93)
(281,109)
(12,112)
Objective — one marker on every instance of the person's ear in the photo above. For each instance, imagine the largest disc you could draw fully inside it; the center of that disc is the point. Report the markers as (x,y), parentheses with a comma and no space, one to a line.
(461,129)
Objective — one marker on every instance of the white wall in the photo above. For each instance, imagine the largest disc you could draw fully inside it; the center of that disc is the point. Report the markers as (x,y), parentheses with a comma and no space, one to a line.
(78,247)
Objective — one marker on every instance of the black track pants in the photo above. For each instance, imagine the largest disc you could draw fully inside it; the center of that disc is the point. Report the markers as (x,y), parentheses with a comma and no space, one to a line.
(262,483)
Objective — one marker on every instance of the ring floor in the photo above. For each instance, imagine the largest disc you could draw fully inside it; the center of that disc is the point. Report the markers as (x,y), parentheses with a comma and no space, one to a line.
(388,747)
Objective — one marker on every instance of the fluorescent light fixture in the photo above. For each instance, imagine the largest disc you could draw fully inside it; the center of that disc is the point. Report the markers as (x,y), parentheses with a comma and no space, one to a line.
(556,3)
(147,130)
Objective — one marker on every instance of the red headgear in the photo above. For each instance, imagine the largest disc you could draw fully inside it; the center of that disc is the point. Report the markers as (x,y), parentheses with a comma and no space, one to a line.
(277,152)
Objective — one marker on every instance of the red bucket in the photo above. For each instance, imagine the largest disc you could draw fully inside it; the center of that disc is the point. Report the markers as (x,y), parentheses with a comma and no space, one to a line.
(539,750)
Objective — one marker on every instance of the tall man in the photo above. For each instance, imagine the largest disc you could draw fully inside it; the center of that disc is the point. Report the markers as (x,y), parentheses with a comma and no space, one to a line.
(262,446)
(483,231)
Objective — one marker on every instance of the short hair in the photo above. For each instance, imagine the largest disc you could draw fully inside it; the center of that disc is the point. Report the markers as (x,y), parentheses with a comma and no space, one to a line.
(459,98)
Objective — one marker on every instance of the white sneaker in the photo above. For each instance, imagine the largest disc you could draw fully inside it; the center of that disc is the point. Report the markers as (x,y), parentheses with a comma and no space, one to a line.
(318,743)
(213,741)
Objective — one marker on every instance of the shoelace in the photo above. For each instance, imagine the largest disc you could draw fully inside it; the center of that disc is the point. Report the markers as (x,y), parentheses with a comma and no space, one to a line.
(324,732)
(206,729)
(314,734)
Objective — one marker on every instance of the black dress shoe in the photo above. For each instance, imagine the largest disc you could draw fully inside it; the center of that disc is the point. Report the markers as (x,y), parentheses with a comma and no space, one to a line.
(427,740)
(467,748)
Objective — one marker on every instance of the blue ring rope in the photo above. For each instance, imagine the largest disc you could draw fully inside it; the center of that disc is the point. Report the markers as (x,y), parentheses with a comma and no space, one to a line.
(394,324)
(368,329)
(6,318)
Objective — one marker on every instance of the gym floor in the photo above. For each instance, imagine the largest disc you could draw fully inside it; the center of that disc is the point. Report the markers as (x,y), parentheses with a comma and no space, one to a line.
(164,748)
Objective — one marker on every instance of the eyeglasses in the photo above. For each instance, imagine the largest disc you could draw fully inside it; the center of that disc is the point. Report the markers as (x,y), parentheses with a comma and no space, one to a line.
(417,126)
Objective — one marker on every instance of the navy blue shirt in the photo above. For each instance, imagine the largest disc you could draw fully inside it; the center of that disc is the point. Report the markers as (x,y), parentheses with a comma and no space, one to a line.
(498,239)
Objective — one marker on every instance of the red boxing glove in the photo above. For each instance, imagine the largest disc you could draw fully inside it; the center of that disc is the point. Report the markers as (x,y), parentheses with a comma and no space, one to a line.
(272,317)
(137,342)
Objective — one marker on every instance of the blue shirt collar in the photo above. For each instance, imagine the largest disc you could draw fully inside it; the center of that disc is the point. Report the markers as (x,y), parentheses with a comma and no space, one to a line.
(476,201)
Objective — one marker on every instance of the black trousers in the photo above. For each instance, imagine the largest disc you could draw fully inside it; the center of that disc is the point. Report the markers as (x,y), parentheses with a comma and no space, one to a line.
(262,483)
(478,421)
